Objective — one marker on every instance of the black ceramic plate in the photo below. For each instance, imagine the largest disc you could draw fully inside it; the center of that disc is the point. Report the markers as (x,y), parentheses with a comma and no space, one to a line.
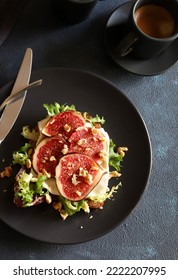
(116,28)
(124,124)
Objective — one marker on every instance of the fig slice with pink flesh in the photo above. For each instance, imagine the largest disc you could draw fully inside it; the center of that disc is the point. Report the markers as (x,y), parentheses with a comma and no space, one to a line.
(47,154)
(89,141)
(64,123)
(77,175)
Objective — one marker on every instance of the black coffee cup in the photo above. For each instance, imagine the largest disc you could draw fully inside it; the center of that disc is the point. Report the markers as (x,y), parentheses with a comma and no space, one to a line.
(74,11)
(152,27)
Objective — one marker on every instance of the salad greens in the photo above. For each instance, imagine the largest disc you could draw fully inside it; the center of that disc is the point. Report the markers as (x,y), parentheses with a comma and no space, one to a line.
(28,186)
(21,156)
(114,158)
(56,108)
(30,134)
(108,194)
(95,119)
(71,207)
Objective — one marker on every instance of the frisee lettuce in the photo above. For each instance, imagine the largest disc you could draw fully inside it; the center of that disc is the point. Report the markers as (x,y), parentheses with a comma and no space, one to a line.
(56,108)
(25,192)
(71,207)
(114,158)
(21,156)
(30,134)
(28,187)
(93,120)
(106,195)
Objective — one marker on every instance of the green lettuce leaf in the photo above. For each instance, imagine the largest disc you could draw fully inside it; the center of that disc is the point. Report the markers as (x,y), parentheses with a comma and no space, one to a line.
(56,108)
(71,207)
(21,156)
(93,120)
(114,158)
(30,134)
(28,187)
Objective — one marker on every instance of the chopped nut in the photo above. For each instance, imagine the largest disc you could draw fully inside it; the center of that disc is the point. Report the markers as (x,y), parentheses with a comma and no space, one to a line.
(74,180)
(6,172)
(102,138)
(114,174)
(45,173)
(65,149)
(94,168)
(94,131)
(97,125)
(83,172)
(95,205)
(102,155)
(30,151)
(57,205)
(63,214)
(121,151)
(95,139)
(67,128)
(48,198)
(82,141)
(78,193)
(89,179)
(28,163)
(52,158)
(86,207)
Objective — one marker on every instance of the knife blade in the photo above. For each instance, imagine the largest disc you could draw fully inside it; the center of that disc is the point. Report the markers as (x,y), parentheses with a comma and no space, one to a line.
(12,110)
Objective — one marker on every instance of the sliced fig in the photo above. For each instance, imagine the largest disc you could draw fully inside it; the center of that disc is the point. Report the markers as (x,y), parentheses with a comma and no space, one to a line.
(63,123)
(89,141)
(47,154)
(77,175)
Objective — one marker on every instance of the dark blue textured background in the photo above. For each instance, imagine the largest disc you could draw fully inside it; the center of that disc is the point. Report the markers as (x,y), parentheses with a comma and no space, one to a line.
(150,230)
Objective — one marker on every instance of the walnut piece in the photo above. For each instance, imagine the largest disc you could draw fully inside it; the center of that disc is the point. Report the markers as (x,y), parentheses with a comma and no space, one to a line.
(6,172)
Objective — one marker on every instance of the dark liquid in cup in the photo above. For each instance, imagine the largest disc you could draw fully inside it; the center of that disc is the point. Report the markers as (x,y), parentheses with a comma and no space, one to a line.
(155,21)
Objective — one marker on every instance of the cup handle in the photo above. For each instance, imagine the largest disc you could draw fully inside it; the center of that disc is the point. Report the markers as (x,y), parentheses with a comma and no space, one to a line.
(125,46)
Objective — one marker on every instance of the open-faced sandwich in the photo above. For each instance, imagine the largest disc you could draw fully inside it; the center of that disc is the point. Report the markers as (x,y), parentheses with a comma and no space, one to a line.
(67,161)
